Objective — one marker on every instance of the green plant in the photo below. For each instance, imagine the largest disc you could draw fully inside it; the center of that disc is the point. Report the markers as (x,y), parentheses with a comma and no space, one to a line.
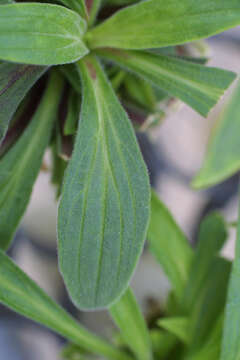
(87,57)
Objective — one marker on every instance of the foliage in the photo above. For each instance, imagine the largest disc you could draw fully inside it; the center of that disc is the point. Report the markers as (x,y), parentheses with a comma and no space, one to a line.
(107,71)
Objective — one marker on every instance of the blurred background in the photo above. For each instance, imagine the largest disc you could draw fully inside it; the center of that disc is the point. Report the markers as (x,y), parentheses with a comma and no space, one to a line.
(173,151)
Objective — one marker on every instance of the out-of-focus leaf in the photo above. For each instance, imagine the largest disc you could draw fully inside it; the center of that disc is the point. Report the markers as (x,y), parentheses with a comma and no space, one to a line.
(160,23)
(178,326)
(15,82)
(210,302)
(73,113)
(231,343)
(21,294)
(128,317)
(169,245)
(198,86)
(162,343)
(20,166)
(70,71)
(41,34)
(212,347)
(212,236)
(104,210)
(223,155)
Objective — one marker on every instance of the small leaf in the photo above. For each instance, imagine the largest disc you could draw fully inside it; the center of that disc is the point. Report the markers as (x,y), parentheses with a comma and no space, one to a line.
(21,164)
(161,23)
(73,111)
(104,210)
(128,317)
(70,71)
(163,343)
(210,302)
(178,326)
(21,294)
(41,34)
(212,236)
(223,155)
(231,343)
(15,81)
(198,86)
(169,245)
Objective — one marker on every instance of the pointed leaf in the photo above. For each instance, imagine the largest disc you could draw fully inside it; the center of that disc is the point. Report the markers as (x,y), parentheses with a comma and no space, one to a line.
(210,302)
(161,23)
(223,155)
(41,34)
(197,85)
(15,81)
(104,210)
(212,236)
(128,317)
(231,343)
(21,294)
(178,326)
(169,245)
(20,166)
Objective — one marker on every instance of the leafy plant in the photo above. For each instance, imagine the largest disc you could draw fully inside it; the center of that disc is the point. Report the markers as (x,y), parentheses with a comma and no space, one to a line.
(86,57)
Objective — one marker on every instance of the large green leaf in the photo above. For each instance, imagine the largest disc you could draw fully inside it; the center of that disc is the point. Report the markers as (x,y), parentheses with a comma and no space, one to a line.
(21,294)
(231,342)
(20,166)
(104,210)
(160,23)
(15,82)
(197,85)
(41,34)
(212,236)
(223,156)
(128,317)
(169,245)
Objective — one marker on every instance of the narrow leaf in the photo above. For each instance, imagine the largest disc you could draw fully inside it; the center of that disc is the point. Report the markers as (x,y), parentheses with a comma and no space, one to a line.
(198,86)
(104,210)
(128,317)
(169,245)
(41,34)
(21,294)
(212,236)
(210,302)
(178,326)
(231,343)
(163,343)
(15,81)
(212,347)
(160,23)
(73,111)
(20,166)
(77,5)
(223,155)
(70,71)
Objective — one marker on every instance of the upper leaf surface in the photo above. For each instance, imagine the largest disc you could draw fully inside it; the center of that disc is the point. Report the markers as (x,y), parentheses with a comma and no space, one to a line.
(104,210)
(223,156)
(41,34)
(15,81)
(161,23)
(197,85)
(21,164)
